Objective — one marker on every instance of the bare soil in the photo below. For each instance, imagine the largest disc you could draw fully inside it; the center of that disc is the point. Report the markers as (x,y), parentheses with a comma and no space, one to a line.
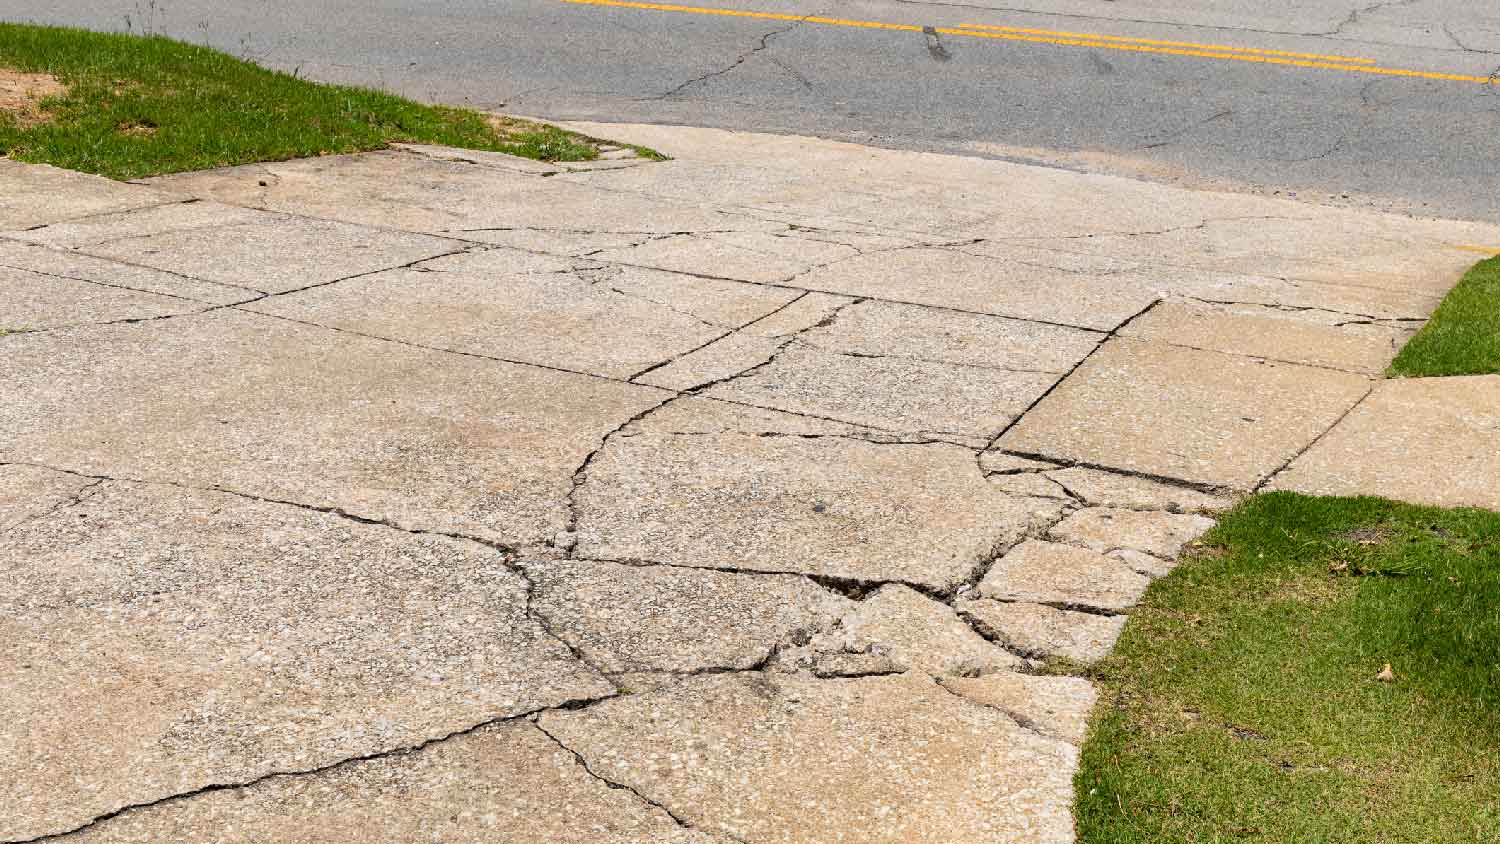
(21,95)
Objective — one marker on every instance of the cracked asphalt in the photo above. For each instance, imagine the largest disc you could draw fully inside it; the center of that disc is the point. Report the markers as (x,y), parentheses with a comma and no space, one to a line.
(759,495)
(1417,145)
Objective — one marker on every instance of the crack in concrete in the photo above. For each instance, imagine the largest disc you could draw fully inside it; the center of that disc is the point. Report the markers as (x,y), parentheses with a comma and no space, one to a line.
(1020,719)
(99,283)
(572,704)
(83,493)
(618,786)
(1319,438)
(1114,332)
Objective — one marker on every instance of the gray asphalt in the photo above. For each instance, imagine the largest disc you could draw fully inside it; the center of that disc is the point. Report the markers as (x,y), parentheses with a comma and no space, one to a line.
(1425,146)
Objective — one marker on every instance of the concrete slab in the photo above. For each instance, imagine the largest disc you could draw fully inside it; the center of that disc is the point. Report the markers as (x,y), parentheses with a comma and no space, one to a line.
(45,260)
(1289,336)
(178,216)
(743,527)
(420,194)
(509,782)
(535,309)
(272,253)
(747,256)
(965,404)
(291,412)
(830,760)
(161,640)
(920,514)
(38,195)
(1203,417)
(662,618)
(1427,440)
(949,279)
(936,335)
(32,301)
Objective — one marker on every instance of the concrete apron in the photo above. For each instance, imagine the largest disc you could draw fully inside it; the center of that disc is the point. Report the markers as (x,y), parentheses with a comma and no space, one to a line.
(739,497)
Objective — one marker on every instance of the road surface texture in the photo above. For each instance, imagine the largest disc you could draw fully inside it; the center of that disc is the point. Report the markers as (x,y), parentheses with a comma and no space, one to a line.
(1090,87)
(436,495)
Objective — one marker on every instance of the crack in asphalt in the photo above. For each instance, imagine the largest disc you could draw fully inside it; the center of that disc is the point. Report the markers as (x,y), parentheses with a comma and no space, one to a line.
(765,43)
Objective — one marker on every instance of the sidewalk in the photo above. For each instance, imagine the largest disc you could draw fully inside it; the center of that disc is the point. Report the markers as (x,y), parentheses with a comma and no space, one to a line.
(738,497)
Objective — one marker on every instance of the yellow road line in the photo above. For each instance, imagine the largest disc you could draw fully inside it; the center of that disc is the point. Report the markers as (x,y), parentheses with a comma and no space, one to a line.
(1038,39)
(1481,250)
(1217,48)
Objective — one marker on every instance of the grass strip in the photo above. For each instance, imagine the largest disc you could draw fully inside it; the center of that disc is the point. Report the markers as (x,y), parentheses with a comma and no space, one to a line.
(1248,699)
(1463,336)
(140,106)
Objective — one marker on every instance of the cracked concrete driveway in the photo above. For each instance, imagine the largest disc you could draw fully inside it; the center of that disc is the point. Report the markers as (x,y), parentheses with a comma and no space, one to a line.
(736,498)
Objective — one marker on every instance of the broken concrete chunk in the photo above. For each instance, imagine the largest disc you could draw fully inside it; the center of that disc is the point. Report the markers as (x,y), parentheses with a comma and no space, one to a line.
(507,782)
(1142,562)
(782,759)
(170,639)
(843,664)
(919,514)
(1050,573)
(661,618)
(1045,632)
(916,633)
(1108,528)
(1112,489)
(1054,706)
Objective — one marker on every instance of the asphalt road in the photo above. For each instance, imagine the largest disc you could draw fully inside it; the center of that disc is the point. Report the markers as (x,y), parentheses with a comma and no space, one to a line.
(1088,89)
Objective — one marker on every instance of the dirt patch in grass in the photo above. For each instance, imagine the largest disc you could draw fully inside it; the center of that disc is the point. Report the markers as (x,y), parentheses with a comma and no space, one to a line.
(136,129)
(21,95)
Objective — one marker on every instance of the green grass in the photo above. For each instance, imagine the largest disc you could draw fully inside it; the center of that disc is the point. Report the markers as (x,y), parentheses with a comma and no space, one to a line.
(139,106)
(1243,704)
(1463,336)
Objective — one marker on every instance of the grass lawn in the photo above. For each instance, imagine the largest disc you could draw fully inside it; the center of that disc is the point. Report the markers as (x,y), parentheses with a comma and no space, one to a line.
(137,106)
(1245,703)
(1463,336)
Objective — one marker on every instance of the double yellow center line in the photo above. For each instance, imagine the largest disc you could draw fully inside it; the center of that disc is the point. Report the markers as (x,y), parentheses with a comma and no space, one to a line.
(1193,49)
